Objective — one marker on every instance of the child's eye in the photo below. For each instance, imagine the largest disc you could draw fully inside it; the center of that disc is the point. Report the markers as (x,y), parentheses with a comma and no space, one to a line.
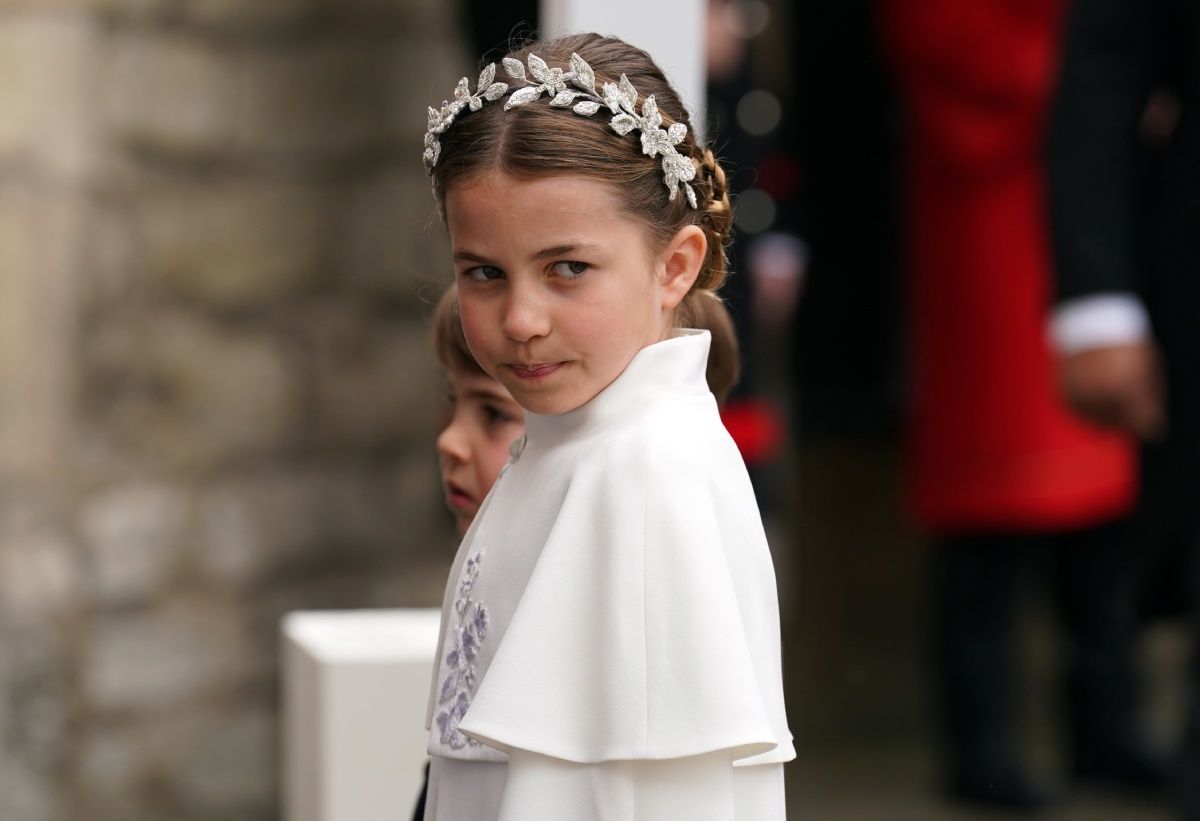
(494,414)
(483,273)
(570,269)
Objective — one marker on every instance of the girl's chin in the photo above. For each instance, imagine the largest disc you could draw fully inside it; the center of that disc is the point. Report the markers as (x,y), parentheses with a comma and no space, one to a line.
(553,402)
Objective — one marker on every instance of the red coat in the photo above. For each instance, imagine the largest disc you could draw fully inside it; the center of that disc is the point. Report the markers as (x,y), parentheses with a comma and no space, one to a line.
(991,443)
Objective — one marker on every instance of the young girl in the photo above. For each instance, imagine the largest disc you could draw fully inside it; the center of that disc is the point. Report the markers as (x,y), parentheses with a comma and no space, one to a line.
(610,636)
(483,420)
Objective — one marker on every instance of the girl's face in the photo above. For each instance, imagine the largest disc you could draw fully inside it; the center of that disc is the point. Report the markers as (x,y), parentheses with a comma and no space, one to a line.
(557,287)
(473,446)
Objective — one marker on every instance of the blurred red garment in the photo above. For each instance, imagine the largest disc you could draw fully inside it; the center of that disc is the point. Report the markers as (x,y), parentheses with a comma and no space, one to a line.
(992,443)
(756,427)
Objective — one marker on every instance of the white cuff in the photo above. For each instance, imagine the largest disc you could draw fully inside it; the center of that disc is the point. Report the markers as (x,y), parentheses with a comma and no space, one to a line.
(1100,321)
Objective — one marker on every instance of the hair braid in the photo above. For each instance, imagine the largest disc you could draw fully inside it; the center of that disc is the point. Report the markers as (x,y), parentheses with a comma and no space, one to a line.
(716,218)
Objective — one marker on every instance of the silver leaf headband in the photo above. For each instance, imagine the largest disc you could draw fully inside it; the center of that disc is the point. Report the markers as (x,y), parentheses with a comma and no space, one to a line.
(620,98)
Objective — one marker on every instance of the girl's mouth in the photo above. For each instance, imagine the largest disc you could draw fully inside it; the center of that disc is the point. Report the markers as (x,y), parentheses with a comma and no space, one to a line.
(457,498)
(535,372)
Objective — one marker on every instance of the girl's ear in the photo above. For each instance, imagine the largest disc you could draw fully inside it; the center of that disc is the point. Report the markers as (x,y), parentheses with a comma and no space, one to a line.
(679,264)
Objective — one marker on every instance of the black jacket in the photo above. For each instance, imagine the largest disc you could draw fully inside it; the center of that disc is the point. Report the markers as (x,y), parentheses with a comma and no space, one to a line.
(1125,205)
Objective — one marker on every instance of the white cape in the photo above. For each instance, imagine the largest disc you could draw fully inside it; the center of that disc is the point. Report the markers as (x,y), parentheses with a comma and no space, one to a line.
(631,611)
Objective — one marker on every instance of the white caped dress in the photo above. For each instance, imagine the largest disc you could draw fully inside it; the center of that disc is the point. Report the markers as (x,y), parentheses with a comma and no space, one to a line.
(610,631)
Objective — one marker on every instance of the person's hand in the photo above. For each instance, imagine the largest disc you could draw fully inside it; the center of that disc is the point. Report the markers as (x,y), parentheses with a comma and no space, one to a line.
(1120,386)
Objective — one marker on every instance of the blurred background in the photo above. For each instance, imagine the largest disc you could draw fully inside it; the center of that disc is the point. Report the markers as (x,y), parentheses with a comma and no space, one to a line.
(218,398)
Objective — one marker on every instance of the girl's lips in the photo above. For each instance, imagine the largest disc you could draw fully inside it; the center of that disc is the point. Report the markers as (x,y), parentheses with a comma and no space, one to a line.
(458,499)
(539,371)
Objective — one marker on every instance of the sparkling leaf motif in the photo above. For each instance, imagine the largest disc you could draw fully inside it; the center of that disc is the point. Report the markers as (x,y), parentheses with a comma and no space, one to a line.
(628,93)
(612,98)
(514,68)
(585,78)
(485,78)
(458,685)
(538,68)
(523,96)
(650,115)
(620,98)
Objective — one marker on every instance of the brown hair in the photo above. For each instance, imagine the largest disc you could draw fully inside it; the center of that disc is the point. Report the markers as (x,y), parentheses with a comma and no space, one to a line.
(450,344)
(536,140)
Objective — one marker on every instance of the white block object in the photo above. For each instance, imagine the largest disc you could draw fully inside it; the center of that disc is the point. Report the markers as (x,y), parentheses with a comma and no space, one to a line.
(673,32)
(355,688)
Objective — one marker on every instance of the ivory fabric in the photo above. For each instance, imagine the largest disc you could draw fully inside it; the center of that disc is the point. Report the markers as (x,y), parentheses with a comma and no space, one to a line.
(610,632)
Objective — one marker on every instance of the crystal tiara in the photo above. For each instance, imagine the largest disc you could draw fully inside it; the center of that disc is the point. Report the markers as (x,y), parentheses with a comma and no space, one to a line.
(620,98)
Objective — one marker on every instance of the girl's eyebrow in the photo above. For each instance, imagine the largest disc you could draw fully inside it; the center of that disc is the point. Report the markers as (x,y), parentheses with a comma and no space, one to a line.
(560,250)
(471,256)
(552,251)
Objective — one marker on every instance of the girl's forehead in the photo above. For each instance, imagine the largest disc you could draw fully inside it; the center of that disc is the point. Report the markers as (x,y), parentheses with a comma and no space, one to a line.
(500,198)
(499,215)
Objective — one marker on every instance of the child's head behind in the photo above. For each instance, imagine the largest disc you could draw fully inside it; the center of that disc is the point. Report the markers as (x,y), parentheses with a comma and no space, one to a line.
(632,256)
(483,419)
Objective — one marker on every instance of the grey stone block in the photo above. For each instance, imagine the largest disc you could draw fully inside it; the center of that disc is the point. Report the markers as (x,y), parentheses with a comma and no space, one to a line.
(147,661)
(233,245)
(135,538)
(182,391)
(189,97)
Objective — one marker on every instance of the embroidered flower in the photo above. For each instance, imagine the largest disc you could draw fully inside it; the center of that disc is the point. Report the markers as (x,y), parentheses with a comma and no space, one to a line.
(458,686)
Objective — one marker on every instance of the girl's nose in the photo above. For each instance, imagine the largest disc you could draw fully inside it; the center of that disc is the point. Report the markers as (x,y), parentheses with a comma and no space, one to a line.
(452,443)
(525,317)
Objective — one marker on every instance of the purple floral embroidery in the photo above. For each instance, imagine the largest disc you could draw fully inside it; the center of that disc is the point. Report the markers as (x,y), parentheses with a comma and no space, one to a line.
(459,684)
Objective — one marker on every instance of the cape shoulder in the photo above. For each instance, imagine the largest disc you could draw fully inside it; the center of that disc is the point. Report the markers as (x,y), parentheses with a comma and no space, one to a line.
(629,641)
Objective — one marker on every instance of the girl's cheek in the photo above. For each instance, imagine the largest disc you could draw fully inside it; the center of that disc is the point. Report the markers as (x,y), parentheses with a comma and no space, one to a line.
(492,469)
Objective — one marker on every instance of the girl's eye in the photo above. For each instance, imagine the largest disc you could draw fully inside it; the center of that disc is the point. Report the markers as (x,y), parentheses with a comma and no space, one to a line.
(495,415)
(570,269)
(483,273)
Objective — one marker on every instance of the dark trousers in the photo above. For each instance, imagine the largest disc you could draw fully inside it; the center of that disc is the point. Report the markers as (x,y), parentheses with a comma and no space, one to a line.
(419,809)
(977,583)
(1189,769)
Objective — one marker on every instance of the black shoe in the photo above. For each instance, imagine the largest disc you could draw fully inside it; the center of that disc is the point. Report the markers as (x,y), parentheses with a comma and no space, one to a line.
(1008,790)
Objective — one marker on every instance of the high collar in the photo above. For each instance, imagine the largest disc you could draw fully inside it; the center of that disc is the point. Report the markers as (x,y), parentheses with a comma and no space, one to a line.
(674,366)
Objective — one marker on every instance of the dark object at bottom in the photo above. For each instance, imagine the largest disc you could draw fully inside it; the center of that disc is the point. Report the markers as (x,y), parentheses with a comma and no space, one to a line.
(1010,790)
(1136,769)
(419,810)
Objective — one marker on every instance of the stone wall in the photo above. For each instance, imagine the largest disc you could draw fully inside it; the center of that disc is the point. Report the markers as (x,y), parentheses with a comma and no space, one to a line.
(217,400)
